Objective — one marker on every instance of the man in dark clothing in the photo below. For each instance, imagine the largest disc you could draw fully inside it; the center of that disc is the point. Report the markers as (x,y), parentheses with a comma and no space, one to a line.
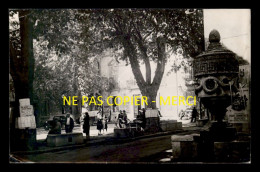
(120,115)
(125,117)
(56,127)
(120,119)
(99,126)
(142,118)
(69,125)
(194,114)
(86,125)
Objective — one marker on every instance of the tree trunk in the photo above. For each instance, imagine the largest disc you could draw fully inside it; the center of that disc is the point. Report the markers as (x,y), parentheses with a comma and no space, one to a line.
(27,51)
(22,69)
(147,89)
(151,99)
(76,110)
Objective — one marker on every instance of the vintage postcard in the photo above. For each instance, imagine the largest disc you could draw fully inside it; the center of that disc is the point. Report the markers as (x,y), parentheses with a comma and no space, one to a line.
(130,85)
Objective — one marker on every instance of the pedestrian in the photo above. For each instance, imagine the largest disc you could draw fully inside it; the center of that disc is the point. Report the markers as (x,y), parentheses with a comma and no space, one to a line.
(56,127)
(69,125)
(86,125)
(104,122)
(194,114)
(120,114)
(120,119)
(99,126)
(109,118)
(125,118)
(159,113)
(181,114)
(81,121)
(142,115)
(100,113)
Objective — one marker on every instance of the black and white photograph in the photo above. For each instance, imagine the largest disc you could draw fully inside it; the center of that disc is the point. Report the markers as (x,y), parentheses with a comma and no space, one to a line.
(129,86)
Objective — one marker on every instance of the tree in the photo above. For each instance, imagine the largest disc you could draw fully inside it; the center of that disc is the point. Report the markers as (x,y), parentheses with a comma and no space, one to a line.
(70,72)
(21,61)
(145,35)
(59,32)
(56,28)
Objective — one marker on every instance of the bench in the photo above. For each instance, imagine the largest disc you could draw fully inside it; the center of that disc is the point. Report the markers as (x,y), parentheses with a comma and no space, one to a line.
(126,132)
(171,125)
(54,140)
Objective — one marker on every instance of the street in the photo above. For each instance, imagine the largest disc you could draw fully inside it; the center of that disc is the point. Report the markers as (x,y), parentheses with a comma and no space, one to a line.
(42,133)
(143,150)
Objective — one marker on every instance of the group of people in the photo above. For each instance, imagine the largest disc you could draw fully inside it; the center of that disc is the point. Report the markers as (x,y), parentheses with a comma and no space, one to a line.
(56,125)
(122,119)
(69,125)
(141,118)
(194,114)
(102,125)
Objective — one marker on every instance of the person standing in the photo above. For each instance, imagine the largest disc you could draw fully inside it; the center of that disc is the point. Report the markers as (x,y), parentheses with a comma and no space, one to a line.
(81,121)
(194,114)
(142,118)
(99,126)
(69,124)
(86,125)
(120,119)
(104,122)
(120,114)
(159,115)
(125,118)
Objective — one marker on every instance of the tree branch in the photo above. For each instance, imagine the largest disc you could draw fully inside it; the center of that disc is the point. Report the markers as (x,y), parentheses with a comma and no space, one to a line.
(132,55)
(143,50)
(160,63)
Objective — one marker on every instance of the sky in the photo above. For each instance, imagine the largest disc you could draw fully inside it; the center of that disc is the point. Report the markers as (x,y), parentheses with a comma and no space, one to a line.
(234,26)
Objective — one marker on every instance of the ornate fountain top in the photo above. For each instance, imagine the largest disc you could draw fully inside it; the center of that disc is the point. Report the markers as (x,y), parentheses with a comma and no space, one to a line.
(216,59)
(214,36)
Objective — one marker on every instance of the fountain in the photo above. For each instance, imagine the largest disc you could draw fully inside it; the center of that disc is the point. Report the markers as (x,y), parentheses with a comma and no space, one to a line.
(216,74)
(216,82)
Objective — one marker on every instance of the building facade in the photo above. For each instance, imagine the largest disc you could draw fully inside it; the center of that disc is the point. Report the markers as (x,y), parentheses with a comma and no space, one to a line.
(124,84)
